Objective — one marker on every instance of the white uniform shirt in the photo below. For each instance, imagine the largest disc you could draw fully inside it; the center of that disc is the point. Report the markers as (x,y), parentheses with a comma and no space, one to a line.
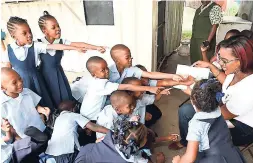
(141,104)
(107,117)
(57,41)
(95,97)
(238,98)
(128,72)
(6,150)
(21,111)
(21,52)
(65,136)
(79,88)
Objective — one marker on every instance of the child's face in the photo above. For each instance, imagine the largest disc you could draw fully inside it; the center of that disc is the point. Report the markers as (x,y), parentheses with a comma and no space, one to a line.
(124,58)
(101,71)
(13,83)
(52,29)
(137,94)
(145,81)
(23,35)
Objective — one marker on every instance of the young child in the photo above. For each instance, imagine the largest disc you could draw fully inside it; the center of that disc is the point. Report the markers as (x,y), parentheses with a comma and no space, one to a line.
(152,110)
(23,56)
(64,144)
(143,99)
(209,139)
(99,87)
(121,55)
(51,68)
(122,106)
(123,145)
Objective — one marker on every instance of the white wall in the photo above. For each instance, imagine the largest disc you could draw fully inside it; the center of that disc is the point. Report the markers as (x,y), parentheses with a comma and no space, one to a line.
(133,27)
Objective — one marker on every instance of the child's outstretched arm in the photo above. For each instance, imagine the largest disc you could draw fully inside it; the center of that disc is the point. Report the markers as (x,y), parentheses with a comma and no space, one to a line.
(65,47)
(163,92)
(101,49)
(96,128)
(160,75)
(190,154)
(169,82)
(130,87)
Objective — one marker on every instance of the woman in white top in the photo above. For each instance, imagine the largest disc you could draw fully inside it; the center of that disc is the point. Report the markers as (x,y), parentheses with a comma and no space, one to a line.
(235,56)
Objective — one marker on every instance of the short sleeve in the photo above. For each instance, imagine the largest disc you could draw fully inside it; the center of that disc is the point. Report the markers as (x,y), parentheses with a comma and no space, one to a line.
(5,57)
(40,47)
(215,15)
(36,98)
(195,130)
(147,99)
(136,72)
(108,88)
(66,42)
(153,83)
(80,120)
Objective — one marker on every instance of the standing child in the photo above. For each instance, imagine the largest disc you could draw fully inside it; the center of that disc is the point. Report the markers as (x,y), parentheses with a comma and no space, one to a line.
(123,145)
(64,145)
(23,56)
(99,87)
(121,55)
(209,139)
(51,68)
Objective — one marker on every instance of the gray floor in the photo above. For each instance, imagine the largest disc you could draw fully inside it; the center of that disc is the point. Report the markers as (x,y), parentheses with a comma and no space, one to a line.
(169,106)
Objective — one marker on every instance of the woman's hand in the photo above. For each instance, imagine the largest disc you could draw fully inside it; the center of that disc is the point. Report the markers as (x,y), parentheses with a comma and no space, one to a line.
(101,49)
(202,64)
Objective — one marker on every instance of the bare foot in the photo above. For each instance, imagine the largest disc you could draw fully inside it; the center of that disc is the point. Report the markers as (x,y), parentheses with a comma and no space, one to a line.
(160,158)
(171,137)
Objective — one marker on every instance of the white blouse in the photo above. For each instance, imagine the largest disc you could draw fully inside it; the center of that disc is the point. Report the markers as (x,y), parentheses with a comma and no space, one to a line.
(238,98)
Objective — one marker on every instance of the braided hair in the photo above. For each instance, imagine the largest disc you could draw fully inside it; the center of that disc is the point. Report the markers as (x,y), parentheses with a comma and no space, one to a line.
(129,135)
(206,95)
(13,21)
(42,20)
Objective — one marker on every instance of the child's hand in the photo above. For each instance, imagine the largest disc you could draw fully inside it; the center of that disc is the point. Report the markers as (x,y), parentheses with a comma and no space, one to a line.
(189,81)
(148,116)
(81,49)
(135,118)
(176,159)
(88,131)
(165,91)
(176,77)
(160,158)
(6,126)
(156,90)
(100,139)
(44,110)
(203,48)
(101,49)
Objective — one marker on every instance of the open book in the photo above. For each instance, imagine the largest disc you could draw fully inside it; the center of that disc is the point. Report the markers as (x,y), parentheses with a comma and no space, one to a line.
(196,72)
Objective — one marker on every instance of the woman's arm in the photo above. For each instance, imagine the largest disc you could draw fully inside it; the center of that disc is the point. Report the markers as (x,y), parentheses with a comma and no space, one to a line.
(130,87)
(190,154)
(65,47)
(96,128)
(226,113)
(88,46)
(160,75)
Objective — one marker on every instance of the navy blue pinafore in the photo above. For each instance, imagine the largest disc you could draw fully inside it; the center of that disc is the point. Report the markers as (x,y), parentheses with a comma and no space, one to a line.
(55,77)
(31,76)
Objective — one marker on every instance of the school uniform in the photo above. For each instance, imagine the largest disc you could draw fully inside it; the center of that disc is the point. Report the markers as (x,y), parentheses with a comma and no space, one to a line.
(26,66)
(105,151)
(21,111)
(95,97)
(238,100)
(212,133)
(53,73)
(141,104)
(6,149)
(79,88)
(64,144)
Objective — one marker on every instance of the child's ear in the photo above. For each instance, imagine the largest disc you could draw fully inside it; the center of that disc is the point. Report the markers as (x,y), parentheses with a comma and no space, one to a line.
(44,30)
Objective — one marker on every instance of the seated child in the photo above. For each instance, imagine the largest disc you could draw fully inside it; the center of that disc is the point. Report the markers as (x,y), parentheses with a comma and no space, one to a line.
(143,99)
(122,106)
(19,104)
(99,87)
(122,58)
(123,145)
(153,109)
(209,139)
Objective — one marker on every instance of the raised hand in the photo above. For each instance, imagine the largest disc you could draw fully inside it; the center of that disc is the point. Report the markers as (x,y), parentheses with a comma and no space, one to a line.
(5,126)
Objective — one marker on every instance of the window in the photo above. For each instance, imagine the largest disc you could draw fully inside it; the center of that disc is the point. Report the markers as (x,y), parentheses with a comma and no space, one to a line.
(98,12)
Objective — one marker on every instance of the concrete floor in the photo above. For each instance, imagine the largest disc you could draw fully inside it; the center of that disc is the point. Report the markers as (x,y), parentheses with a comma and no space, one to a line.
(169,107)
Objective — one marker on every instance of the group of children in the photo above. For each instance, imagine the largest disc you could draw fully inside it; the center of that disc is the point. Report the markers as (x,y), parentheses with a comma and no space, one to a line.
(116,102)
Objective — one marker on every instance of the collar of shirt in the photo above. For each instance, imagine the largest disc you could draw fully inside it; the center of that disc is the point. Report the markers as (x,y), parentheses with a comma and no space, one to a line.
(6,98)
(114,73)
(204,115)
(56,41)
(205,7)
(14,46)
